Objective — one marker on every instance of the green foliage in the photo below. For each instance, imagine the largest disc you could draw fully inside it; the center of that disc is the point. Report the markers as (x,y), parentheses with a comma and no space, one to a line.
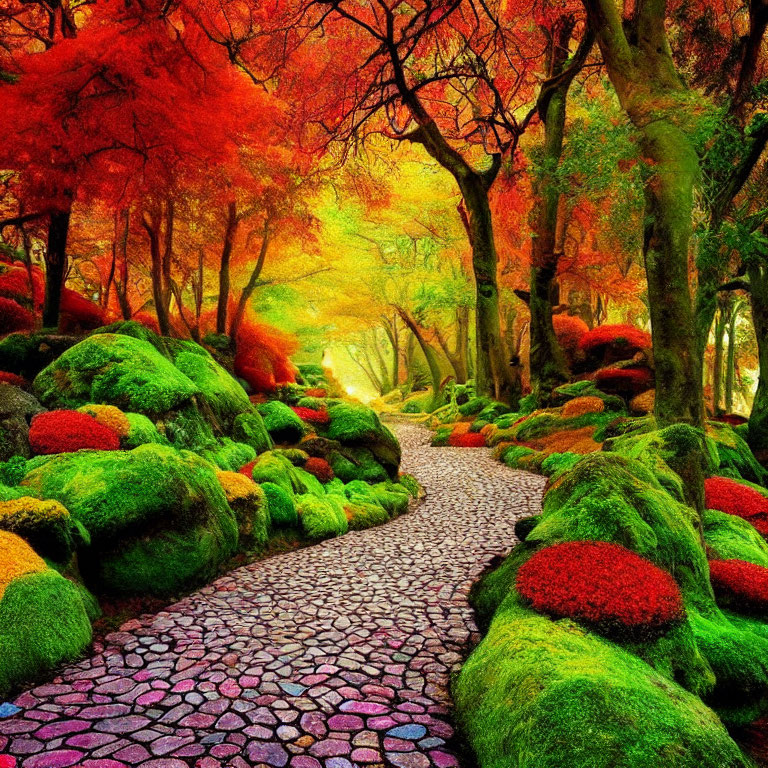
(282,509)
(586,388)
(43,624)
(557,463)
(542,694)
(114,369)
(521,457)
(411,484)
(283,425)
(322,518)
(362,515)
(475,405)
(734,457)
(270,467)
(357,464)
(304,482)
(296,456)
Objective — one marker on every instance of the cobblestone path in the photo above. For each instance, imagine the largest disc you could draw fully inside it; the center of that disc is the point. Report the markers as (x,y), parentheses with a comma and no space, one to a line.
(329,657)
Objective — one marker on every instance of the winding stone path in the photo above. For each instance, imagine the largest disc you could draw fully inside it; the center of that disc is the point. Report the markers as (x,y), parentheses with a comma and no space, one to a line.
(329,657)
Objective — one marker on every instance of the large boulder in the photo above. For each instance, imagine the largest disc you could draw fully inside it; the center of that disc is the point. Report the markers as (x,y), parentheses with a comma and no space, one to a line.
(17,408)
(158,518)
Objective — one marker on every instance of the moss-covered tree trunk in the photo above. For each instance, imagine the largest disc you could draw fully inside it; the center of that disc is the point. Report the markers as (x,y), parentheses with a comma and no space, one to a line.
(730,360)
(721,322)
(757,434)
(640,64)
(55,266)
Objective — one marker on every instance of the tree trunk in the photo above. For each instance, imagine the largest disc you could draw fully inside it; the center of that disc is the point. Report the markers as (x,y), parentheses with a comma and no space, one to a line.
(717,368)
(429,355)
(250,287)
(669,207)
(730,361)
(493,376)
(226,255)
(156,272)
(757,434)
(55,266)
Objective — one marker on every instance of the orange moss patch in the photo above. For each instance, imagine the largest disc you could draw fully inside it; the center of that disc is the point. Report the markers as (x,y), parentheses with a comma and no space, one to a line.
(109,416)
(17,559)
(460,427)
(581,405)
(643,403)
(567,441)
(237,486)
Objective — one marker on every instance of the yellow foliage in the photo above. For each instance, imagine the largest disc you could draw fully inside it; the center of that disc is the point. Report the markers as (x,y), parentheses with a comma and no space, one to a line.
(109,416)
(581,405)
(17,559)
(30,509)
(460,427)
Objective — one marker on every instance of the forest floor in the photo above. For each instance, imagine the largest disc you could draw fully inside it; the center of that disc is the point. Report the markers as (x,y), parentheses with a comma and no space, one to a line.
(332,656)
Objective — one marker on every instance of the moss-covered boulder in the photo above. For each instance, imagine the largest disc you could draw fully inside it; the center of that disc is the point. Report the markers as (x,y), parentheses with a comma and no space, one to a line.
(118,370)
(43,621)
(283,425)
(542,694)
(322,518)
(141,431)
(251,507)
(248,427)
(158,518)
(17,408)
(731,538)
(281,506)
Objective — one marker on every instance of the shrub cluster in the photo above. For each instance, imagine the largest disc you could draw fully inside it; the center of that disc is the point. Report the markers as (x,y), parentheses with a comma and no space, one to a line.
(602,584)
(312,415)
(467,440)
(69,431)
(626,337)
(320,468)
(740,584)
(735,498)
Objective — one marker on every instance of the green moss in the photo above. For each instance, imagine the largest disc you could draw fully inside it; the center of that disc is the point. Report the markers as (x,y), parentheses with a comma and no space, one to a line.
(335,488)
(411,484)
(188,428)
(253,521)
(556,463)
(734,457)
(304,482)
(607,497)
(43,623)
(521,457)
(221,391)
(296,456)
(118,370)
(547,423)
(493,411)
(507,420)
(249,428)
(356,464)
(282,509)
(361,515)
(273,468)
(543,694)
(322,518)
(730,538)
(142,431)
(12,471)
(528,404)
(585,388)
(228,455)
(283,425)
(392,497)
(315,403)
(474,405)
(7,493)
(441,436)
(357,425)
(141,504)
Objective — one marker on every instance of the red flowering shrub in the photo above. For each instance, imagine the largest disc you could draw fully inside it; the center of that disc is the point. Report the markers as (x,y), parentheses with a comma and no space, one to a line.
(13,317)
(626,382)
(12,378)
(69,431)
(320,468)
(312,416)
(569,331)
(247,469)
(735,498)
(14,284)
(740,584)
(626,338)
(79,314)
(467,440)
(602,584)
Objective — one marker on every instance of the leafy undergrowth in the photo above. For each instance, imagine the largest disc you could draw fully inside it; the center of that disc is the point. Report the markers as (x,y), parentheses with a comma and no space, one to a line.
(142,469)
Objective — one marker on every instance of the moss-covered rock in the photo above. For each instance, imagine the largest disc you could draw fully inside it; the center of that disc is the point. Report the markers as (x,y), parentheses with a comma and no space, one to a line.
(248,427)
(227,454)
(734,457)
(361,515)
(283,425)
(43,624)
(731,538)
(141,431)
(357,463)
(46,526)
(321,518)
(250,504)
(282,509)
(17,408)
(158,519)
(542,694)
(118,370)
